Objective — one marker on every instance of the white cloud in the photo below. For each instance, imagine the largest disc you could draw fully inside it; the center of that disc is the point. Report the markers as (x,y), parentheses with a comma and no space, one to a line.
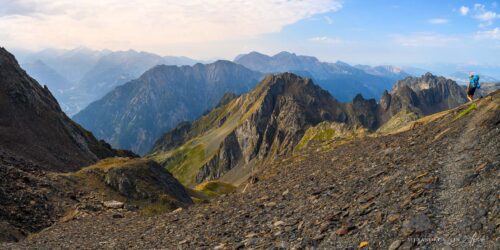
(489,34)
(423,40)
(464,10)
(438,21)
(485,16)
(325,39)
(147,25)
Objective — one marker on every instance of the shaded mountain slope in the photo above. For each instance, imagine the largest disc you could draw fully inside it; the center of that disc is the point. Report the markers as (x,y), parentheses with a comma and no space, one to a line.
(32,125)
(135,114)
(436,180)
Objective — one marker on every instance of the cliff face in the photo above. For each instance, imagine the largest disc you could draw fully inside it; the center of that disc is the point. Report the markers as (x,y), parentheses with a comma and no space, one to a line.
(32,125)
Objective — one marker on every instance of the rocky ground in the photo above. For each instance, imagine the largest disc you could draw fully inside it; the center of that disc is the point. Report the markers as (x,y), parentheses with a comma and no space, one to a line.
(434,186)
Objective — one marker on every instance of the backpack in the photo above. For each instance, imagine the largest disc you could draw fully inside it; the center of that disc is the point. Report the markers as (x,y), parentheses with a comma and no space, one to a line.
(476,81)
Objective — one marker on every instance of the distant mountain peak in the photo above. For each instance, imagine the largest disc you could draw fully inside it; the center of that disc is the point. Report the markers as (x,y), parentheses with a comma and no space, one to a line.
(284,53)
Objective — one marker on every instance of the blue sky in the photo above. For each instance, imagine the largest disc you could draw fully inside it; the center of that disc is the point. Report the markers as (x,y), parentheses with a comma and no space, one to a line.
(399,32)
(417,33)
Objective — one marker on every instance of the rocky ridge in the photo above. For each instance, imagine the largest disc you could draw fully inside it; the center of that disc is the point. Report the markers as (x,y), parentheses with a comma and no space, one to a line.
(256,127)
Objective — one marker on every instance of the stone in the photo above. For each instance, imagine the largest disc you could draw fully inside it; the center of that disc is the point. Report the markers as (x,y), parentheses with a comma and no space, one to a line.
(394,245)
(220,246)
(279,223)
(271,204)
(113,204)
(341,231)
(418,224)
(468,179)
(393,217)
(117,216)
(177,210)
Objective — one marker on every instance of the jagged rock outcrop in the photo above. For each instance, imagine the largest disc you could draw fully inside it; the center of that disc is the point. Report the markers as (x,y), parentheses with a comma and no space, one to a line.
(138,180)
(423,95)
(135,114)
(33,126)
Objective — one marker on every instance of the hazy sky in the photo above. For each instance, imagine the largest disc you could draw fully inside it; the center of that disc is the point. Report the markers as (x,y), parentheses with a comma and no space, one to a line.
(356,31)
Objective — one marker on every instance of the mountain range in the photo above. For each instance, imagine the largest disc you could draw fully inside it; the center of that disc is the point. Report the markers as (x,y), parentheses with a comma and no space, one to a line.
(342,80)
(79,76)
(135,114)
(235,139)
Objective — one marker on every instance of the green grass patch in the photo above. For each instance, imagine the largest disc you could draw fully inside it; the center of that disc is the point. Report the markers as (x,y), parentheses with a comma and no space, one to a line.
(156,208)
(185,163)
(214,188)
(465,112)
(399,120)
(320,133)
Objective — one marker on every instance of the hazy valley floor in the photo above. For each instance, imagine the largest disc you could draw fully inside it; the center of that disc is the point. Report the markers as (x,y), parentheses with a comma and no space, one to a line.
(436,185)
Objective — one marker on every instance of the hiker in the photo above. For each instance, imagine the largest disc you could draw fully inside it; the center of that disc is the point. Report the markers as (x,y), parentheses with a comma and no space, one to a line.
(473,84)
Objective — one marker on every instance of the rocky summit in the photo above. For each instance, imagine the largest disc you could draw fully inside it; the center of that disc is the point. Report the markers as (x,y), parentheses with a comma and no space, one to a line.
(431,185)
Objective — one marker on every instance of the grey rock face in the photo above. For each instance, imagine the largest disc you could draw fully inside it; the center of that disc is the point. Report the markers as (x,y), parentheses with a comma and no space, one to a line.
(141,180)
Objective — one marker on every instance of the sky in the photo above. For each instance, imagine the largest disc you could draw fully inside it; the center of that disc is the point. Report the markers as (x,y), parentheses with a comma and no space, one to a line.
(356,31)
